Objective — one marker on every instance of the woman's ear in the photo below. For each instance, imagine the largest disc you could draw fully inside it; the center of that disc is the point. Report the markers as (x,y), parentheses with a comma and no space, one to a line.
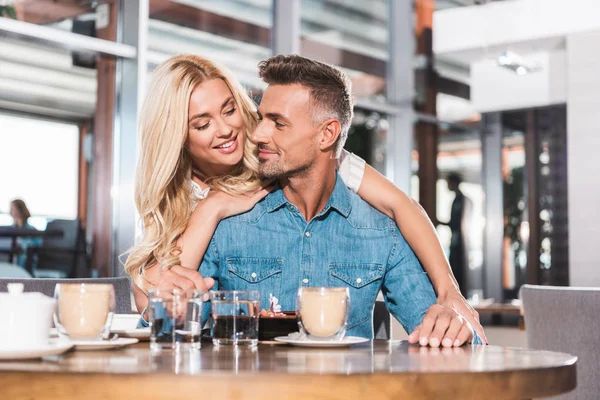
(330,132)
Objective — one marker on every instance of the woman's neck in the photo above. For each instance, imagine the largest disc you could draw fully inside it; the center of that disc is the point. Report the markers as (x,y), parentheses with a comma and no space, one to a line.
(199,180)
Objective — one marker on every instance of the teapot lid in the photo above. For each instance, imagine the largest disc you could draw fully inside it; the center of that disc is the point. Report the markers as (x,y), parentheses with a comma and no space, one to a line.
(15,292)
(15,288)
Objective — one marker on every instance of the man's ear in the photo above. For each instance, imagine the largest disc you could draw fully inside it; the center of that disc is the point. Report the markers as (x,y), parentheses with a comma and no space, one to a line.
(330,132)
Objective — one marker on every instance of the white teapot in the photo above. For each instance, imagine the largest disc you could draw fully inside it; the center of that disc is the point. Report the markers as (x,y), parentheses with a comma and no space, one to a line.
(25,319)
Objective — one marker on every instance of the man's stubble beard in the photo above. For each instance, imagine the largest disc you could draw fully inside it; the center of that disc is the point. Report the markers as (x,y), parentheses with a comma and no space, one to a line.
(275,170)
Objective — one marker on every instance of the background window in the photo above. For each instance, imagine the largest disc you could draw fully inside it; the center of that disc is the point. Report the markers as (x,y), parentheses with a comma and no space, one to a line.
(39,160)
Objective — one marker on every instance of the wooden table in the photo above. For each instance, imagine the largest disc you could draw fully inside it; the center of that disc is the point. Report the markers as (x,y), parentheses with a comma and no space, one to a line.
(14,233)
(375,370)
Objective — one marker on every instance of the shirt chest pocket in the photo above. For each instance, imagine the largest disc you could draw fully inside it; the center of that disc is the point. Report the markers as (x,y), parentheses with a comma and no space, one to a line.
(255,273)
(364,281)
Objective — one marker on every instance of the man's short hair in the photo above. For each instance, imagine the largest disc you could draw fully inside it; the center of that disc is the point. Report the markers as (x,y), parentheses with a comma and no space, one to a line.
(330,88)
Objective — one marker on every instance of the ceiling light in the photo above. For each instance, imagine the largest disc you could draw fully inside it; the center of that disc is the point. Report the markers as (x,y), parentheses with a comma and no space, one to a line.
(517,64)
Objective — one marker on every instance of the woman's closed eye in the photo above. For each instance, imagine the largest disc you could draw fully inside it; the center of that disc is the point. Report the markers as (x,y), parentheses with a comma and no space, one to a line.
(230,111)
(202,127)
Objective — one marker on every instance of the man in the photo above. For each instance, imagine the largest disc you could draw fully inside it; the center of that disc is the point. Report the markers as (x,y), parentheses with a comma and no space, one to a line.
(313,231)
(460,216)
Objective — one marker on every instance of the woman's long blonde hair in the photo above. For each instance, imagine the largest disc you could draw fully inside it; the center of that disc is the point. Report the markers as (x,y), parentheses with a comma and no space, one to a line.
(163,189)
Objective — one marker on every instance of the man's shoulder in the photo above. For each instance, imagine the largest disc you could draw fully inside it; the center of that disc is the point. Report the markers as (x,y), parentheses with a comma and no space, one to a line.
(363,215)
(250,216)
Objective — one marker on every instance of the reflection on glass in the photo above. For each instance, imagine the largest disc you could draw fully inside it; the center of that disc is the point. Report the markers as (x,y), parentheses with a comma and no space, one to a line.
(351,34)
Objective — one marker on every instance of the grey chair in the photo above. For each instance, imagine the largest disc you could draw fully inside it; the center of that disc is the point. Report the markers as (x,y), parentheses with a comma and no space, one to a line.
(46,286)
(58,257)
(381,321)
(565,319)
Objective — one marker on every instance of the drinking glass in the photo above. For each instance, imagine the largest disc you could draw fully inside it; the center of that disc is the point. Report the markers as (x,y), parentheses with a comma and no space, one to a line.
(323,312)
(84,311)
(175,319)
(235,316)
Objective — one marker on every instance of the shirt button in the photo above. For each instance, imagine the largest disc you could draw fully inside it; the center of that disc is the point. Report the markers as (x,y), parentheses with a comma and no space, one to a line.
(358,280)
(307,234)
(305,281)
(253,275)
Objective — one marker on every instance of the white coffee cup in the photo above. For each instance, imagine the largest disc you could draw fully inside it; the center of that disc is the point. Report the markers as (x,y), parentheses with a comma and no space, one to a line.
(26,319)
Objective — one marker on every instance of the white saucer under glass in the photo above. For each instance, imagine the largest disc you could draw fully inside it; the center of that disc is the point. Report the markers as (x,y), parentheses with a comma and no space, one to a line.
(304,342)
(102,344)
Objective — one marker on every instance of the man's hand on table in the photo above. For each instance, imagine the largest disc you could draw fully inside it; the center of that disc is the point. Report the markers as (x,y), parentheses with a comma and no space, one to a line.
(453,299)
(442,326)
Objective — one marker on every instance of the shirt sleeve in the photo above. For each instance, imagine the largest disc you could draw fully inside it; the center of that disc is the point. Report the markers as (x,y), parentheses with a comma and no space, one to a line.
(406,288)
(351,169)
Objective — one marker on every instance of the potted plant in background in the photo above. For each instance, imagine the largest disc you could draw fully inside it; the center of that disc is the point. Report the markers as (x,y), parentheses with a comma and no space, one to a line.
(7,9)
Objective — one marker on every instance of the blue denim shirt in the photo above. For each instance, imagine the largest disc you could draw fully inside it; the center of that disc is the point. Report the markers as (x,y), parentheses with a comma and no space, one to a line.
(274,250)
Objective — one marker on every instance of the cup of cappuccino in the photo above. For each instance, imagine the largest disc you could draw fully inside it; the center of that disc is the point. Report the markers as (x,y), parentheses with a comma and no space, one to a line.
(323,312)
(84,311)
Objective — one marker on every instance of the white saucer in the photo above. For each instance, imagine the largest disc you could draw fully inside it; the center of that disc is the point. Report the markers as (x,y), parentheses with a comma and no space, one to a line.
(52,349)
(141,333)
(346,341)
(102,344)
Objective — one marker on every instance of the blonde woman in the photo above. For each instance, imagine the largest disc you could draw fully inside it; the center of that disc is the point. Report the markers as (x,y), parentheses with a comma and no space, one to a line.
(197,167)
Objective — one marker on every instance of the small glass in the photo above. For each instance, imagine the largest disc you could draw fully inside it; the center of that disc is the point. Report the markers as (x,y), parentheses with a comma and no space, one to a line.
(175,319)
(84,311)
(323,312)
(235,316)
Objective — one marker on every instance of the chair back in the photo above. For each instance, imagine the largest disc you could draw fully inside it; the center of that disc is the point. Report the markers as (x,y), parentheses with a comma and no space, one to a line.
(565,319)
(381,321)
(46,286)
(57,256)
(8,270)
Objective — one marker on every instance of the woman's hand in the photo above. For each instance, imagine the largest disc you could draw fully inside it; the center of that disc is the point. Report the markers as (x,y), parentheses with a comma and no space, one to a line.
(227,205)
(453,299)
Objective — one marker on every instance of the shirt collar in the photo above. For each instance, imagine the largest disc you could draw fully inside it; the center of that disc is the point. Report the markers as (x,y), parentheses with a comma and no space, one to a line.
(339,200)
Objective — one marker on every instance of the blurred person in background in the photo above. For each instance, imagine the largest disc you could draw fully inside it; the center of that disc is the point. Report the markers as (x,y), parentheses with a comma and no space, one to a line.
(460,216)
(20,215)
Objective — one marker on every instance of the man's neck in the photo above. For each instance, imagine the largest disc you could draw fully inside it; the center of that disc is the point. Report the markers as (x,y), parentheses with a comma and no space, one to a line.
(311,191)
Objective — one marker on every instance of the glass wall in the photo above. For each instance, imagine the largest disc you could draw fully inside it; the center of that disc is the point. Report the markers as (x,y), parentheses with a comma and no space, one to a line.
(234,33)
(351,34)
(460,206)
(367,137)
(516,224)
(71,16)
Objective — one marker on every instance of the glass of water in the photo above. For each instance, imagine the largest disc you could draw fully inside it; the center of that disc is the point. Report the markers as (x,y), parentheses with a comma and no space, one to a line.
(175,319)
(235,317)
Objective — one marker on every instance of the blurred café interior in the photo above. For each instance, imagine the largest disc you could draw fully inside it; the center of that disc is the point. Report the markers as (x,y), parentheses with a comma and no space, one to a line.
(499,96)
